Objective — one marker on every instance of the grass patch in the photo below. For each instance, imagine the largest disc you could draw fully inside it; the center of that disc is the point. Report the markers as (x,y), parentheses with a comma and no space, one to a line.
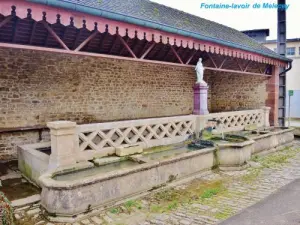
(210,193)
(252,175)
(276,159)
(226,213)
(171,199)
(132,204)
(173,205)
(114,210)
(269,161)
(156,208)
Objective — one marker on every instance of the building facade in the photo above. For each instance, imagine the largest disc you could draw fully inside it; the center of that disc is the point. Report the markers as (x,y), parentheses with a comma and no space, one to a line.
(111,60)
(293,76)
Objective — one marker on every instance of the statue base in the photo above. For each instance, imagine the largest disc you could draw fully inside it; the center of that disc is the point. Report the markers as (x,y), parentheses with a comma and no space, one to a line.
(200,99)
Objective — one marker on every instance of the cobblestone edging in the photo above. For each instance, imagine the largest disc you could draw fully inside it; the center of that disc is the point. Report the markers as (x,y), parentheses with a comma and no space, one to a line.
(241,190)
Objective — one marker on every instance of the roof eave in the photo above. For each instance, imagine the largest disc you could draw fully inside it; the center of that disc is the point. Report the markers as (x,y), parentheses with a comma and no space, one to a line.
(148,23)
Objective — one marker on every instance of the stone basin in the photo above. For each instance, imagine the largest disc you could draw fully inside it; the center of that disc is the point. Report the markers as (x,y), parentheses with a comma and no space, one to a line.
(233,151)
(269,138)
(69,192)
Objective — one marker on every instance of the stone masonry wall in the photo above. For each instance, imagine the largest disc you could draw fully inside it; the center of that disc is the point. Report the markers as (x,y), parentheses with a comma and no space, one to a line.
(39,86)
(232,92)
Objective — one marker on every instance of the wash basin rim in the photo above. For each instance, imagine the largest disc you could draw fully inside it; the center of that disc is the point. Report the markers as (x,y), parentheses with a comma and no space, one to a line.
(47,180)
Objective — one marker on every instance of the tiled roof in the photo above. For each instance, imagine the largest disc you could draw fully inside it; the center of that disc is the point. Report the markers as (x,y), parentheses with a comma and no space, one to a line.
(157,13)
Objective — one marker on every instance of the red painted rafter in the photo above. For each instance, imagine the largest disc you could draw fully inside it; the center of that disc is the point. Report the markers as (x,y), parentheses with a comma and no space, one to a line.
(176,54)
(113,43)
(32,32)
(134,45)
(127,47)
(241,68)
(102,40)
(157,52)
(191,57)
(144,47)
(222,63)
(77,38)
(247,66)
(166,55)
(266,69)
(187,51)
(15,30)
(51,31)
(212,60)
(6,20)
(86,41)
(123,49)
(236,71)
(119,57)
(148,50)
(47,38)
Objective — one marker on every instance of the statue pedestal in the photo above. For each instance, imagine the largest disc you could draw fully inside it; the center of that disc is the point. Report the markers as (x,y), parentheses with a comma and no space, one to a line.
(200,99)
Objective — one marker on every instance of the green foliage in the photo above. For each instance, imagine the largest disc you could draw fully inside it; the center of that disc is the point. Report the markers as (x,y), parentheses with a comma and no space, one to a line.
(7,211)
(114,210)
(224,214)
(132,203)
(173,205)
(156,208)
(210,193)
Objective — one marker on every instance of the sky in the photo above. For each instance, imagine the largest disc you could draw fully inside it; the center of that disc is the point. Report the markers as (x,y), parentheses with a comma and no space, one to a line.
(243,19)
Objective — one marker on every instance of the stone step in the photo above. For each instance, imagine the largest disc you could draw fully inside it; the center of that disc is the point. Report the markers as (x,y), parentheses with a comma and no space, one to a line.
(26,201)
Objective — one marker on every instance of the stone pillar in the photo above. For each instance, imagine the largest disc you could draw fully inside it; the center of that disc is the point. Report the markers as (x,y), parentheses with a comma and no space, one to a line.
(273,96)
(62,144)
(266,116)
(200,99)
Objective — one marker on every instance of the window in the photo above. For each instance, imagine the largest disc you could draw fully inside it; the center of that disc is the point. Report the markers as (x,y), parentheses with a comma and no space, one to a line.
(290,51)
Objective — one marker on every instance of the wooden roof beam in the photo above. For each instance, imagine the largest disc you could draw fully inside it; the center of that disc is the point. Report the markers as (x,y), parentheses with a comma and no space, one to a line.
(86,41)
(56,37)
(212,60)
(113,44)
(127,46)
(191,57)
(6,20)
(176,54)
(148,50)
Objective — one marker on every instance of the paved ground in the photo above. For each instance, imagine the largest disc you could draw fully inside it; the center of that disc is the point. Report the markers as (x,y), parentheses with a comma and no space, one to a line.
(295,123)
(208,200)
(281,208)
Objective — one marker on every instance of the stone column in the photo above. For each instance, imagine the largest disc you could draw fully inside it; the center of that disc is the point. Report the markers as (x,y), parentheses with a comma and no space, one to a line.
(62,144)
(266,116)
(200,99)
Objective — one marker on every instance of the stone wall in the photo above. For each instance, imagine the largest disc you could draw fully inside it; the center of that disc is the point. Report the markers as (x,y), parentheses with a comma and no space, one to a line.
(232,92)
(36,87)
(39,86)
(9,141)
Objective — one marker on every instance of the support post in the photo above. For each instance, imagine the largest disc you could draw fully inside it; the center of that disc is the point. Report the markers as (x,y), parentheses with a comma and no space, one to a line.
(266,116)
(272,99)
(200,99)
(62,144)
(201,123)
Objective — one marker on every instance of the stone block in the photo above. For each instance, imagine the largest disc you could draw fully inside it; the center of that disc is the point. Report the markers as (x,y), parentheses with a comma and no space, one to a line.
(128,150)
(251,127)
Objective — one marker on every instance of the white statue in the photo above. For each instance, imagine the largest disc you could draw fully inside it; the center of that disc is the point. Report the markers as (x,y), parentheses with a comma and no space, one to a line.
(200,71)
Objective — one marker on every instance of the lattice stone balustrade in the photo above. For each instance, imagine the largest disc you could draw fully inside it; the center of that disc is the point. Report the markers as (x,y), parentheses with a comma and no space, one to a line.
(101,139)
(238,120)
